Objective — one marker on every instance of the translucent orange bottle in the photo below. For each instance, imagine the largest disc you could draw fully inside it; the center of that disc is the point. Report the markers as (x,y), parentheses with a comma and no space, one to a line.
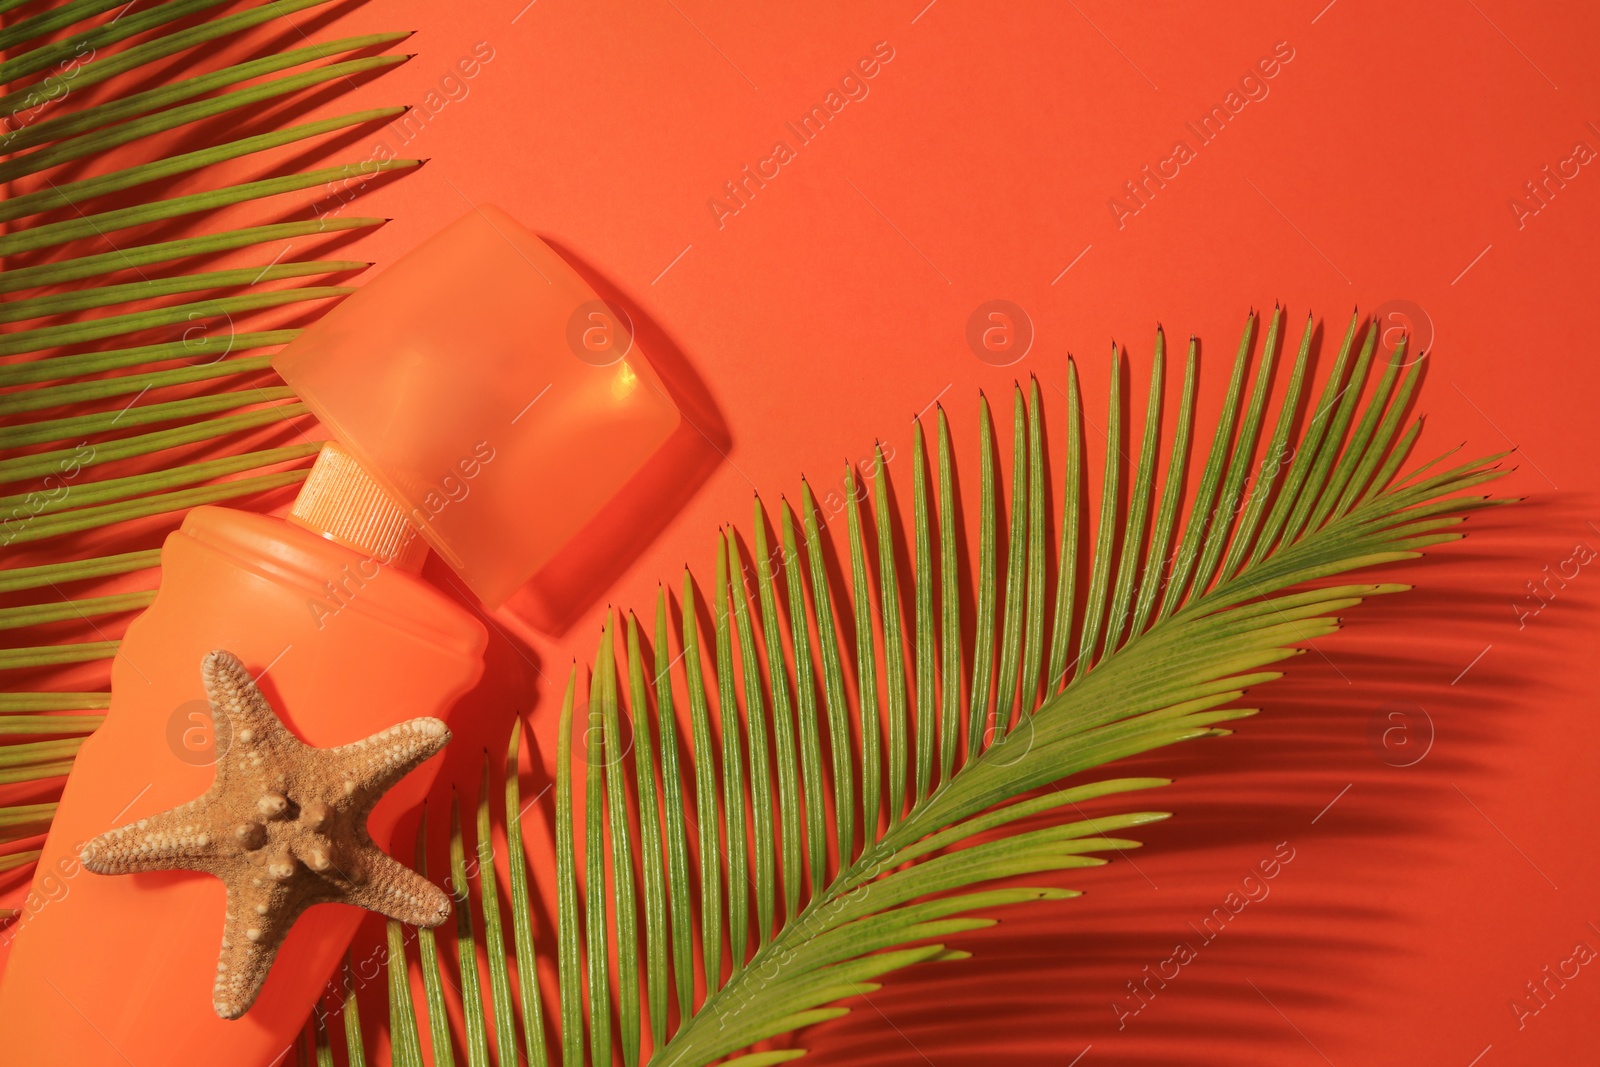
(434,377)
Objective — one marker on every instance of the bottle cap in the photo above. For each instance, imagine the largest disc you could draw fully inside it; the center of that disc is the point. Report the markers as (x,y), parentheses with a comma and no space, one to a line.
(486,387)
(341,502)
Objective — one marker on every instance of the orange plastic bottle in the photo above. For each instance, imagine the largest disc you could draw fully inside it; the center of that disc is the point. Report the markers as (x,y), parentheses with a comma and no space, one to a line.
(433,377)
(119,969)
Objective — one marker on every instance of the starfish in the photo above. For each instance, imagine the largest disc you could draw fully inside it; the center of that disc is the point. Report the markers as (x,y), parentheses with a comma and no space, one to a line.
(284,825)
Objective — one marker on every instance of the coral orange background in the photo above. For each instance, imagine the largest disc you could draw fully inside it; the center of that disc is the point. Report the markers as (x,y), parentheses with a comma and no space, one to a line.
(1375,168)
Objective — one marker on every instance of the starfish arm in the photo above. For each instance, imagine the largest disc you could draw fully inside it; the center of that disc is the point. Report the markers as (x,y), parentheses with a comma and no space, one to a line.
(371,766)
(240,713)
(177,839)
(397,891)
(253,928)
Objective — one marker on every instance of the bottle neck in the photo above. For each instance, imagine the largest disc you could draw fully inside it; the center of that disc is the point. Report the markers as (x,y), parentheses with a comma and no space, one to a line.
(343,503)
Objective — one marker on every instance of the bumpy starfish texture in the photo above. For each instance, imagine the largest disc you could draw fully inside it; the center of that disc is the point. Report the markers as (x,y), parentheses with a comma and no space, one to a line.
(284,826)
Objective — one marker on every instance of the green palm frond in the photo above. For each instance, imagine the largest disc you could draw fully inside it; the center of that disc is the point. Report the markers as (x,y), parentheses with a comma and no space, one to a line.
(128,341)
(853,779)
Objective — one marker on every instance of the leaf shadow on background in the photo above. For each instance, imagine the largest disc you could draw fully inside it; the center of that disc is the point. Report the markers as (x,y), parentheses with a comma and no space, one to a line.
(1044,980)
